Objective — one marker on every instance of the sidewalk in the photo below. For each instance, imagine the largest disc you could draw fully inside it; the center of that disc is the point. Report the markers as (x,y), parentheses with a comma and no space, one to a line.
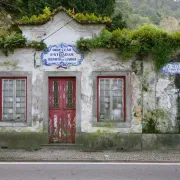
(77,155)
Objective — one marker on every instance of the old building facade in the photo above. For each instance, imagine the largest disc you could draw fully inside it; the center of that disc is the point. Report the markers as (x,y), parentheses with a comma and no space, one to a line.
(56,95)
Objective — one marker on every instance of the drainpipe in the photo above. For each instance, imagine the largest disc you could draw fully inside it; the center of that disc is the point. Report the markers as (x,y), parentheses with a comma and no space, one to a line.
(142,96)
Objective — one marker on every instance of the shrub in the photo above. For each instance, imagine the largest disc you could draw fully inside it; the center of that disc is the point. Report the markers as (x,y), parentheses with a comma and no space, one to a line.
(140,42)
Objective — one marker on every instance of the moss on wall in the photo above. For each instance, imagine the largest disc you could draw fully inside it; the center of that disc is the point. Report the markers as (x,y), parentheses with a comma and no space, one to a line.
(138,114)
(11,63)
(102,140)
(145,83)
(25,140)
(150,120)
(137,67)
(177,84)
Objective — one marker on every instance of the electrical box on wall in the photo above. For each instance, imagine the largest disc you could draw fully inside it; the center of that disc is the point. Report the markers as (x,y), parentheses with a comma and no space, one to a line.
(37,60)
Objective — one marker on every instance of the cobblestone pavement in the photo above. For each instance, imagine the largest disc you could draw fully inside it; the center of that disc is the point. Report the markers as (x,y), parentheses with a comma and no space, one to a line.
(77,155)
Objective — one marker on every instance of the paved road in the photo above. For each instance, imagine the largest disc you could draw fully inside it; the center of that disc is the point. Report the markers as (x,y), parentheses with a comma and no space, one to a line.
(89,171)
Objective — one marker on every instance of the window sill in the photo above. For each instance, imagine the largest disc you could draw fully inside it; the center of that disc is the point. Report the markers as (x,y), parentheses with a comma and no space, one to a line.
(112,124)
(13,124)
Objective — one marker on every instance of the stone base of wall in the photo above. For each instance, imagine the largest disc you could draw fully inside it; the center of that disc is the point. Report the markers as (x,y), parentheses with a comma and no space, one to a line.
(106,141)
(123,142)
(95,141)
(24,140)
(160,141)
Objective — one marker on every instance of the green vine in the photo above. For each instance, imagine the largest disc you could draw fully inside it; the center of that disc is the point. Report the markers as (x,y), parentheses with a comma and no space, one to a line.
(48,14)
(9,41)
(133,43)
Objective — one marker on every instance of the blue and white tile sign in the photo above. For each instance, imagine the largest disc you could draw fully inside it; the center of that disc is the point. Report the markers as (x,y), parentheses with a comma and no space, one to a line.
(171,68)
(62,55)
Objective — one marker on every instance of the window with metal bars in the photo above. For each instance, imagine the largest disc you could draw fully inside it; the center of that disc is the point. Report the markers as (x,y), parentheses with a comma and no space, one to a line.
(13,99)
(111,98)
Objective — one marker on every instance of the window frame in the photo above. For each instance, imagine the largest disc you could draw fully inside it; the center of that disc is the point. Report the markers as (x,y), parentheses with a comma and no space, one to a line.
(98,94)
(126,123)
(28,76)
(1,97)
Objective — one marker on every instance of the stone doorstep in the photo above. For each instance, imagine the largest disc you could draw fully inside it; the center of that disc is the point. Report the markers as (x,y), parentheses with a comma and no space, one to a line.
(61,146)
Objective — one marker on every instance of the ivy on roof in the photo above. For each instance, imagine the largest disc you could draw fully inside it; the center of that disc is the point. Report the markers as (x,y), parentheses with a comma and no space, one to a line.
(48,15)
(136,43)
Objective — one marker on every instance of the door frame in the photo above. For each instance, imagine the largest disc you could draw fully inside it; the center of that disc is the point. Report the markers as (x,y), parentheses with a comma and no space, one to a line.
(61,74)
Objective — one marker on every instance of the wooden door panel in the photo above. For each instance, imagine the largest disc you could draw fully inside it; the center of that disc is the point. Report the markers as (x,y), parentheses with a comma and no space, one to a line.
(70,125)
(62,110)
(70,94)
(54,125)
(54,94)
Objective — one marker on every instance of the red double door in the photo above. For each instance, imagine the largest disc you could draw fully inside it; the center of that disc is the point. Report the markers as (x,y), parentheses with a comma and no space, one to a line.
(62,110)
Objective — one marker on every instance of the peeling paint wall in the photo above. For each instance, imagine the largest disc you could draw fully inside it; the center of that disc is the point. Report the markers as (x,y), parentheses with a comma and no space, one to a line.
(150,91)
(159,100)
(97,60)
(62,28)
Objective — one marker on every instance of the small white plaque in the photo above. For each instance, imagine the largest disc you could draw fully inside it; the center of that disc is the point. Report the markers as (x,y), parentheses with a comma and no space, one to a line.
(62,55)
(171,68)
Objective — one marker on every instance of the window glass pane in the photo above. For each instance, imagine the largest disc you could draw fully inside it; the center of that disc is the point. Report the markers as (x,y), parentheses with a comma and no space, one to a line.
(14,99)
(55,94)
(111,99)
(20,106)
(69,94)
(7,101)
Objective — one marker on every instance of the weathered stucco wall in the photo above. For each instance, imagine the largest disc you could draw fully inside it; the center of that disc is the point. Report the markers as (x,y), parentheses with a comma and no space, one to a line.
(16,63)
(160,96)
(98,60)
(153,96)
(62,28)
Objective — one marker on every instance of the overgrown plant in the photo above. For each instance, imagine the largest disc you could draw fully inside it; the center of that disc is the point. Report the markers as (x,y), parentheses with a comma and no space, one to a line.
(37,19)
(150,120)
(9,41)
(140,42)
(31,7)
(48,14)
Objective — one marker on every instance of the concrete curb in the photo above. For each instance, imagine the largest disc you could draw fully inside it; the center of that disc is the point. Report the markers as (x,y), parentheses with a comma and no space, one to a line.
(89,161)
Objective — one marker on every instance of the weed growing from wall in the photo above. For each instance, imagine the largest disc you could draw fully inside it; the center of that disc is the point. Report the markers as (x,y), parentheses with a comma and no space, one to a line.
(150,118)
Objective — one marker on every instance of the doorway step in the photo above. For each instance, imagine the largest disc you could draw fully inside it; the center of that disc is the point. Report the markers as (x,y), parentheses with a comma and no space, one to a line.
(61,146)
